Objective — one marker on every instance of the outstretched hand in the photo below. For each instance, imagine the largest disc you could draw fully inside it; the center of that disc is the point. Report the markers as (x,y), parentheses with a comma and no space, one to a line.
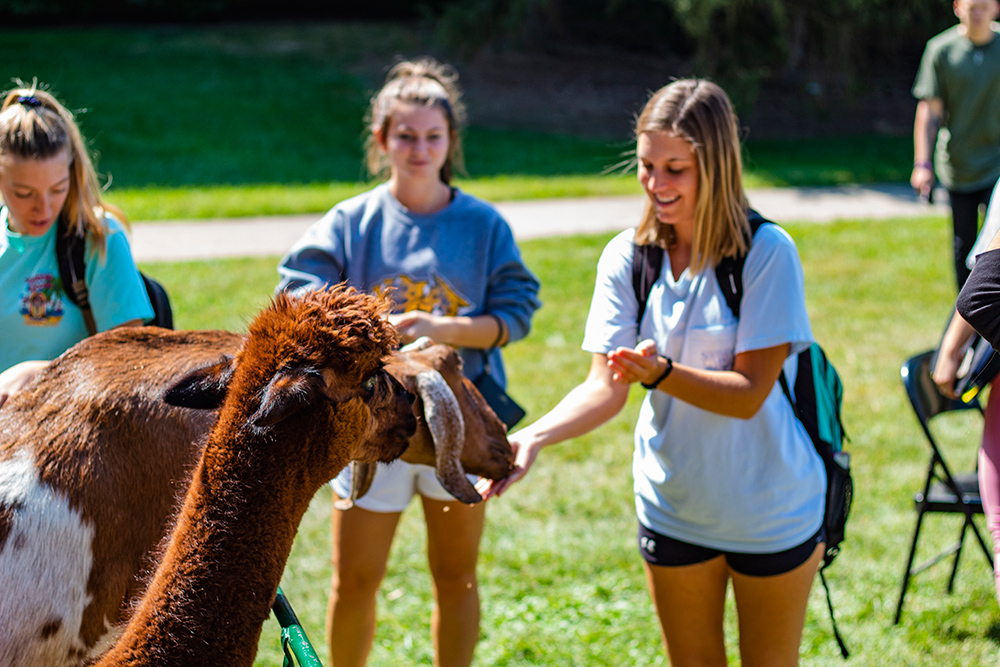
(524,456)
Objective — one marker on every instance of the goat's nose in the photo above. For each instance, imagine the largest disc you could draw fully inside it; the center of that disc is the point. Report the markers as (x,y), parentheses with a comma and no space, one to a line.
(410,397)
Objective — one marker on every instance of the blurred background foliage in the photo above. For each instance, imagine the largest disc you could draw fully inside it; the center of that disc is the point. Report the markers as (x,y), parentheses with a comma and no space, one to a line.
(745,41)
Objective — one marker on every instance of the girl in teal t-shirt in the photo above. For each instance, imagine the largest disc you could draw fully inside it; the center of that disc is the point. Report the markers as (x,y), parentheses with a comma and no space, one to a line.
(46,174)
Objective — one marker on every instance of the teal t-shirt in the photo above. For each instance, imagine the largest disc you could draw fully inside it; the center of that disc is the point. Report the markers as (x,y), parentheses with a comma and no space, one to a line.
(966,78)
(38,321)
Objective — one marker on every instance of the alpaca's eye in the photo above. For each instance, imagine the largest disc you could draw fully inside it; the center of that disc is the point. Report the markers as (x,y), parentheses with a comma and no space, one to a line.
(369,384)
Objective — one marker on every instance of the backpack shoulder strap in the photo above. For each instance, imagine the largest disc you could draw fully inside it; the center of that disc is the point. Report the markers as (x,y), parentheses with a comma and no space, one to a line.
(729,271)
(647,260)
(163,314)
(72,271)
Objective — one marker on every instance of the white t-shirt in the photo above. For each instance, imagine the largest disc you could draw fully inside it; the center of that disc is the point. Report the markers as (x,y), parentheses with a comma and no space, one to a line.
(756,485)
(991,226)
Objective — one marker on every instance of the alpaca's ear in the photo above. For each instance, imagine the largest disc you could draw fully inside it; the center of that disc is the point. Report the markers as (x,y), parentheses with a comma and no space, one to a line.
(204,388)
(289,391)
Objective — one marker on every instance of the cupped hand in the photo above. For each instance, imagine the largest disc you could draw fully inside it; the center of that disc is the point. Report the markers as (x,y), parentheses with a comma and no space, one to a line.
(639,364)
(414,324)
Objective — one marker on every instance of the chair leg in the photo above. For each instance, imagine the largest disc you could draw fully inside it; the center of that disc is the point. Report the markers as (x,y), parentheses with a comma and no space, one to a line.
(909,565)
(982,543)
(958,553)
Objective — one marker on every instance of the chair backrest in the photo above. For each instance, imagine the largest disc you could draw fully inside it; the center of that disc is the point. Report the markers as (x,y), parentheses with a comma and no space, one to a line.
(924,396)
(928,402)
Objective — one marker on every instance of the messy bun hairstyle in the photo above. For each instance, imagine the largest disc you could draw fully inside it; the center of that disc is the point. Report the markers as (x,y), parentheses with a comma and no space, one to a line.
(425,82)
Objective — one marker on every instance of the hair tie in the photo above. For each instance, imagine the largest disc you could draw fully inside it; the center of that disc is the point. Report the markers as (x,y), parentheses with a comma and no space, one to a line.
(29,101)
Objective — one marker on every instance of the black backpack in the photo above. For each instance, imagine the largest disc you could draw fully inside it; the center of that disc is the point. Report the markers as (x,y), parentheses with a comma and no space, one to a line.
(72,270)
(817,398)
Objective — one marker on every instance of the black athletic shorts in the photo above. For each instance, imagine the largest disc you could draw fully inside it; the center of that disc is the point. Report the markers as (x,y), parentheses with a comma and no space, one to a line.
(667,552)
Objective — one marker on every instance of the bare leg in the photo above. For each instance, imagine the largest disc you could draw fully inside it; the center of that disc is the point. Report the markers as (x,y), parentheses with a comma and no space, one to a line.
(989,477)
(772,611)
(361,542)
(453,534)
(690,602)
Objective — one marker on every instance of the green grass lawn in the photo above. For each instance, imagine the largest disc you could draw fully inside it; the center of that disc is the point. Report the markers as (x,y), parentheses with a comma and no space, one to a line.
(561,581)
(225,121)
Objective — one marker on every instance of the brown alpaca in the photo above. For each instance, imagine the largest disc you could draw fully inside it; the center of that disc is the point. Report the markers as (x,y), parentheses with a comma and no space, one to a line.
(305,395)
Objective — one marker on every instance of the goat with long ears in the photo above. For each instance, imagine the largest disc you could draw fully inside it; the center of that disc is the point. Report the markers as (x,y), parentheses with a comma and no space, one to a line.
(457,432)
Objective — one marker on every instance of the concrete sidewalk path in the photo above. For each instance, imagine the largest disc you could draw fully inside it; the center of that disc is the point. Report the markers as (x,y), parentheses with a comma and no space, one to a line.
(273,235)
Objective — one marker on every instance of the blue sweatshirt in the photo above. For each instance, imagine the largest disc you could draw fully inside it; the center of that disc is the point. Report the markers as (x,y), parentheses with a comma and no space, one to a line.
(461,260)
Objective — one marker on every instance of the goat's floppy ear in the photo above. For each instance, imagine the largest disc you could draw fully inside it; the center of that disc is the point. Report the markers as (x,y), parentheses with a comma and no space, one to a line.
(289,391)
(362,475)
(204,388)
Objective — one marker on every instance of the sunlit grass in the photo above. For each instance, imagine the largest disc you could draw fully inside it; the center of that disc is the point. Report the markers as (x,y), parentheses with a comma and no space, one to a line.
(561,581)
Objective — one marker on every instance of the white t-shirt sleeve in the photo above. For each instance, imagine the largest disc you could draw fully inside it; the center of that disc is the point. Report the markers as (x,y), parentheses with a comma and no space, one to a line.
(611,322)
(773,309)
(991,226)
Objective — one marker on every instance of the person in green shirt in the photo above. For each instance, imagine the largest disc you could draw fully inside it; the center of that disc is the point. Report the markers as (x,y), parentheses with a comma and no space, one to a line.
(958,88)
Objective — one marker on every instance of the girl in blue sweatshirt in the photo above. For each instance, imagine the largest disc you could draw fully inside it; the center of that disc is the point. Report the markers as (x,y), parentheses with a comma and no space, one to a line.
(457,276)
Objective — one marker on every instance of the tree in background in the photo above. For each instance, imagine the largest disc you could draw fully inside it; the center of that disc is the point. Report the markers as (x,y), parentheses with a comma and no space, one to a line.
(740,43)
(820,46)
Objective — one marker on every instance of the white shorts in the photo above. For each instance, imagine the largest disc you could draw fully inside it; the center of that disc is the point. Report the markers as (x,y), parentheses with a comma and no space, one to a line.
(394,486)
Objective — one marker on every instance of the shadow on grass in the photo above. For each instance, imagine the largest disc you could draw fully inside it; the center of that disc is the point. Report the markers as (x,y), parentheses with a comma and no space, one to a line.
(993,633)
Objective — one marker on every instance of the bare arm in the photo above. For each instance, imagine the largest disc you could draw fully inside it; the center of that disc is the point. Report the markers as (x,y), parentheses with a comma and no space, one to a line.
(588,405)
(925,128)
(737,393)
(950,355)
(479,332)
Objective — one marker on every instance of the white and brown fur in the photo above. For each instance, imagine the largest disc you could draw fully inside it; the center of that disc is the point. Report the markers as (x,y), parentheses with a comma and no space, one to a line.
(92,463)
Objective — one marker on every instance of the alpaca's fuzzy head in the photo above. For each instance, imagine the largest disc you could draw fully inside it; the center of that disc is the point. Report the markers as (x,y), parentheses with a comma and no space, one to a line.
(318,355)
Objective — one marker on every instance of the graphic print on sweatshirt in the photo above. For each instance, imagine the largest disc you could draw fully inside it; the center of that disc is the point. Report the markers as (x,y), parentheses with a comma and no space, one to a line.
(436,296)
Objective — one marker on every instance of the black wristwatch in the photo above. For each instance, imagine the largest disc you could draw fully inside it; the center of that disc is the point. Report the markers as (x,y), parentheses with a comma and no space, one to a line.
(663,376)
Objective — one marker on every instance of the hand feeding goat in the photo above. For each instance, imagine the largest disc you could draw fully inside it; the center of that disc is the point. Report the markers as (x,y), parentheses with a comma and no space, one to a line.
(455,445)
(305,395)
(93,447)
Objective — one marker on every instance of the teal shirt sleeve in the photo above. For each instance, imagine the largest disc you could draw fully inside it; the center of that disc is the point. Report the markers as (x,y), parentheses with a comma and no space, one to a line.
(117,293)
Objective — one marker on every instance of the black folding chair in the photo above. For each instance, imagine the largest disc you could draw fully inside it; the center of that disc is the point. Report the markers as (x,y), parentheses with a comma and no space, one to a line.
(943,490)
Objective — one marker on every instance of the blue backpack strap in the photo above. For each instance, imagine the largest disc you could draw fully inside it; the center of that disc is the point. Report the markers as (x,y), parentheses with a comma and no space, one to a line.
(647,260)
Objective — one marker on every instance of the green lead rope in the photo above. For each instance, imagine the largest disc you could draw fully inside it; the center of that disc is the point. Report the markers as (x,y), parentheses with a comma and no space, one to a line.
(294,642)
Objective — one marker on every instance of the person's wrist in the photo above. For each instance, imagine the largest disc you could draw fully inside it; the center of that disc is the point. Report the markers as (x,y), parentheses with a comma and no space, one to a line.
(922,164)
(661,377)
